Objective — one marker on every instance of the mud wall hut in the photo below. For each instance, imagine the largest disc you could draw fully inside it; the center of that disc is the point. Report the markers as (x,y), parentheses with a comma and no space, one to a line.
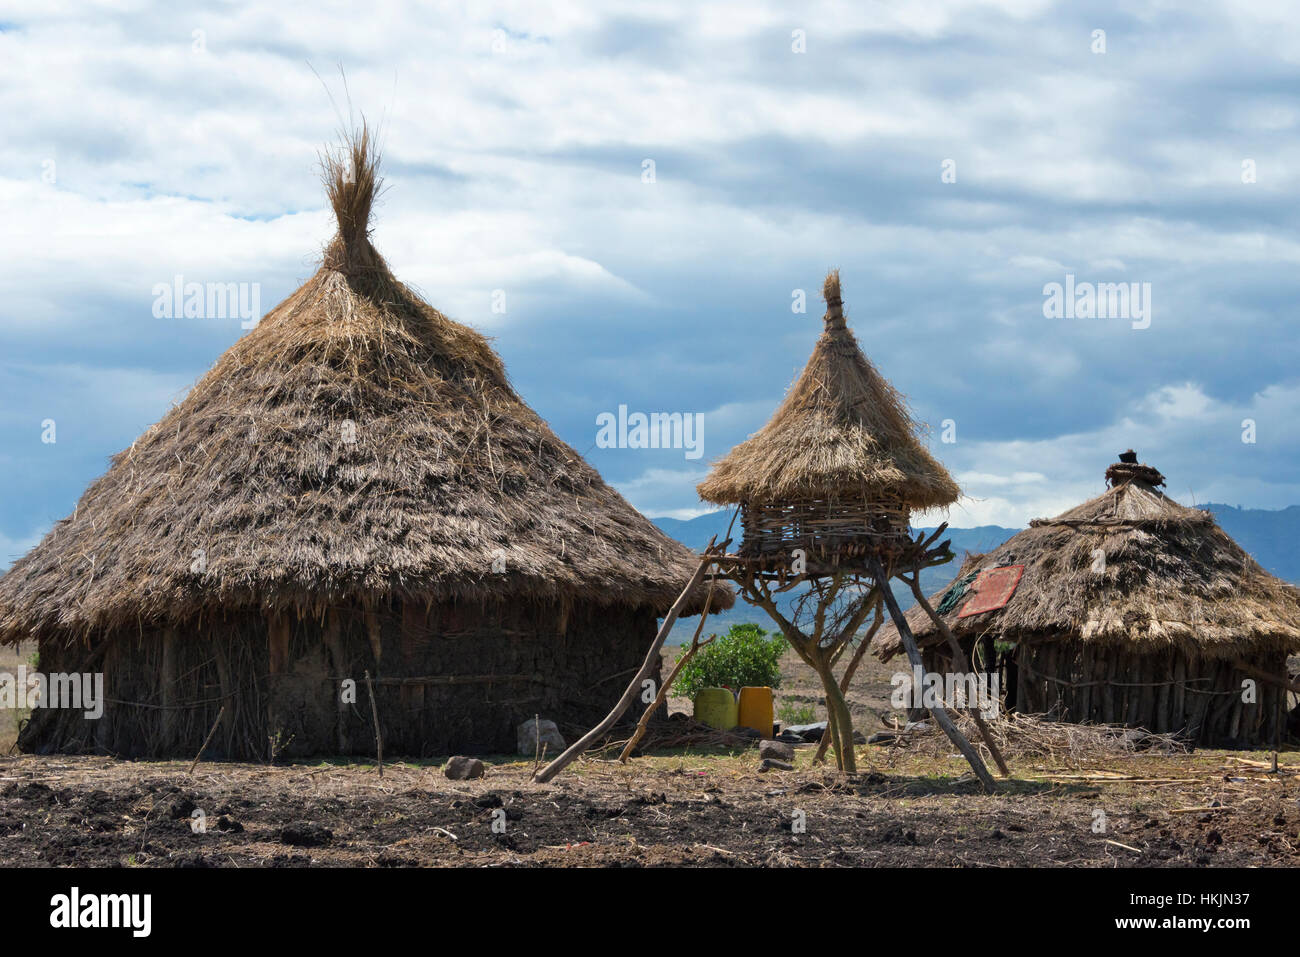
(354,487)
(1129,609)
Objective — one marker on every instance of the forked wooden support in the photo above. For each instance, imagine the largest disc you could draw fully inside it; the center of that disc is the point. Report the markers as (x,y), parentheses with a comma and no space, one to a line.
(939,714)
(563,760)
(667,683)
(846,679)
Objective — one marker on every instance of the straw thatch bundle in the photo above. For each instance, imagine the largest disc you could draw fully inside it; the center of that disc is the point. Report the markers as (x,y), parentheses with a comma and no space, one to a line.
(356,443)
(842,431)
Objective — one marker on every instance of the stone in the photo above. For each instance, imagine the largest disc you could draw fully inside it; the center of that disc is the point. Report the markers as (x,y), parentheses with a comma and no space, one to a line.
(769,764)
(551,741)
(461,768)
(789,738)
(776,750)
(808,732)
(812,733)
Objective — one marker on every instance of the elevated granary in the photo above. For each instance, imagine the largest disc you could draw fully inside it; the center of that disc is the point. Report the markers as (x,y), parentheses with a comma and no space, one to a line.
(825,491)
(840,467)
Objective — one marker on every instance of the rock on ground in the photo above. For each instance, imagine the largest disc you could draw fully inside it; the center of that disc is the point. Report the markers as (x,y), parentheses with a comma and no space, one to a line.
(776,750)
(461,768)
(551,740)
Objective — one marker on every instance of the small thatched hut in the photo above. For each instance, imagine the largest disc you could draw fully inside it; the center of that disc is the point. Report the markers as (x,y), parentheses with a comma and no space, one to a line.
(1129,609)
(839,467)
(355,486)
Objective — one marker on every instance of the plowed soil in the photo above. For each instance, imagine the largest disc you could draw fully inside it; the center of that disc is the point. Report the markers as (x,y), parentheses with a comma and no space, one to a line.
(707,809)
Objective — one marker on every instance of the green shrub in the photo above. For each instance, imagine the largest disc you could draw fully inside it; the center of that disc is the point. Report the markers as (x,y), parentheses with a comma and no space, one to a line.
(791,713)
(746,656)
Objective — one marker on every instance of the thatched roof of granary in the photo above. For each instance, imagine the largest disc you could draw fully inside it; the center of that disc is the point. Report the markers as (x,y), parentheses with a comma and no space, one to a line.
(357,443)
(1171,578)
(843,432)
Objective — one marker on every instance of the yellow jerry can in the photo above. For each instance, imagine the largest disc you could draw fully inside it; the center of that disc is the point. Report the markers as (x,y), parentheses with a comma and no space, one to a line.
(754,710)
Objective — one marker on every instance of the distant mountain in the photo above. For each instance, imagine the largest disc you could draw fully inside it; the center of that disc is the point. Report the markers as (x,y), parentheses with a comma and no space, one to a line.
(695,533)
(1268,535)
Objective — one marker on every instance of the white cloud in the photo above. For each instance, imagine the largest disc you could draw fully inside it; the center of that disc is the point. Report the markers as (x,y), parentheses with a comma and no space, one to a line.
(520,170)
(1193,438)
(658,492)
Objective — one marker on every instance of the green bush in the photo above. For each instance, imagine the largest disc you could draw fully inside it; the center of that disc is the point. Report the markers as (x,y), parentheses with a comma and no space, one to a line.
(791,713)
(746,656)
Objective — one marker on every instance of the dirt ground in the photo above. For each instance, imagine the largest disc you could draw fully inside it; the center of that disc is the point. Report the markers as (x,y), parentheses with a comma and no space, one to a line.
(910,805)
(913,806)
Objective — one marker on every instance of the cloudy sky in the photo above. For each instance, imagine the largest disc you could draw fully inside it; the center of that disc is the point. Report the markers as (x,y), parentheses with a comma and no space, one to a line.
(952,159)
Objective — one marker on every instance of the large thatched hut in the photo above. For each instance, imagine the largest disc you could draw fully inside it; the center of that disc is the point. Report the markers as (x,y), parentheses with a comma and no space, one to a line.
(354,487)
(839,467)
(1129,609)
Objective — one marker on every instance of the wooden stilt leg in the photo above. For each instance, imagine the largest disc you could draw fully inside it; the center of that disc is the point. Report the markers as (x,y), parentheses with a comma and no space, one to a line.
(960,660)
(940,716)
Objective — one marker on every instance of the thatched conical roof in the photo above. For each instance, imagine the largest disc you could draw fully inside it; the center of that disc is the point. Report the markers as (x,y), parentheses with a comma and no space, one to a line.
(842,432)
(356,443)
(1170,577)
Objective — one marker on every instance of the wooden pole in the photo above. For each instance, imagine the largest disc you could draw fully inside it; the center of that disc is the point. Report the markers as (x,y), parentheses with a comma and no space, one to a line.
(570,755)
(338,662)
(940,716)
(374,713)
(206,741)
(845,680)
(960,660)
(168,686)
(686,656)
(662,696)
(1263,675)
